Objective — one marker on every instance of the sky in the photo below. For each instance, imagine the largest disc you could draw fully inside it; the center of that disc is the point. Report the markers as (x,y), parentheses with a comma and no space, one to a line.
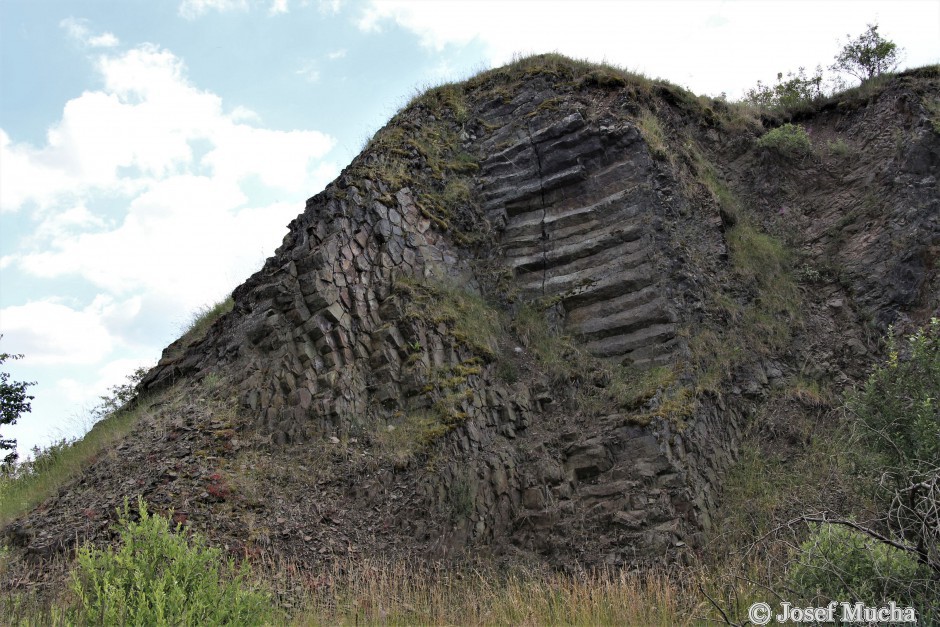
(152,152)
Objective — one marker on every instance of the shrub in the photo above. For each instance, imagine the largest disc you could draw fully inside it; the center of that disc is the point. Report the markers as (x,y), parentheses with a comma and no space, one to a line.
(795,91)
(899,405)
(839,148)
(158,577)
(790,140)
(840,564)
(120,397)
(899,412)
(867,56)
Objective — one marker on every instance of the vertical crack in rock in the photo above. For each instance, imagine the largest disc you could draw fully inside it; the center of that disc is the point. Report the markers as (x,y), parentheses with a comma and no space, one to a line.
(544,235)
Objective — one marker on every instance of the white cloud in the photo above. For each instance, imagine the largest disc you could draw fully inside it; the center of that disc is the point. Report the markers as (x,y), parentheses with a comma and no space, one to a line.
(196,222)
(139,130)
(191,9)
(104,40)
(336,54)
(182,242)
(710,46)
(330,7)
(49,332)
(78,30)
(309,72)
(67,222)
(108,375)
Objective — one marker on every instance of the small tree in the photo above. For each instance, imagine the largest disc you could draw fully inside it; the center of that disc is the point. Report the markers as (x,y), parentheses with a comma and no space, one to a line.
(120,396)
(795,91)
(868,55)
(14,402)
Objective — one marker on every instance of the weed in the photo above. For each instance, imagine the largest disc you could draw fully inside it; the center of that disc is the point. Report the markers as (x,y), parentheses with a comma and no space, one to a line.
(408,436)
(407,594)
(605,78)
(158,577)
(789,140)
(600,387)
(839,148)
(932,105)
(468,317)
(809,393)
(652,131)
(199,324)
(460,497)
(506,371)
(808,274)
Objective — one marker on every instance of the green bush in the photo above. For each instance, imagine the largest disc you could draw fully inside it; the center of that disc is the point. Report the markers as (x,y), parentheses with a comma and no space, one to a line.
(158,577)
(798,90)
(791,140)
(868,56)
(838,563)
(839,148)
(899,405)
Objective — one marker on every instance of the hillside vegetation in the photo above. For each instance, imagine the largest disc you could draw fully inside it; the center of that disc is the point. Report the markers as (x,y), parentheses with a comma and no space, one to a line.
(563,345)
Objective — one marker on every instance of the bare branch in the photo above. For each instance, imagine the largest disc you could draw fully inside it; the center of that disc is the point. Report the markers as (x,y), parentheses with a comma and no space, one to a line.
(717,607)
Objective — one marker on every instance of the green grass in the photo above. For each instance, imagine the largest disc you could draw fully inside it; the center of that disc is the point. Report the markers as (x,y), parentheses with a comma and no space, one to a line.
(201,320)
(601,387)
(565,71)
(932,104)
(766,316)
(410,433)
(840,148)
(764,321)
(26,485)
(652,131)
(468,317)
(413,150)
(32,482)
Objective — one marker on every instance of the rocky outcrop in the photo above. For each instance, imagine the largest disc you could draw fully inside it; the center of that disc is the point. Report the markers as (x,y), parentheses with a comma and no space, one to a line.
(389,322)
(576,203)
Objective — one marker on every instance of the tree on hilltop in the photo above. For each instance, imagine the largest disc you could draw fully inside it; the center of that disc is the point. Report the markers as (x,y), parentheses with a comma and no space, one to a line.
(868,55)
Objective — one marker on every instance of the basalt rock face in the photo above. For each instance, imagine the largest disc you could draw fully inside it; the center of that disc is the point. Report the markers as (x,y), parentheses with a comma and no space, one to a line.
(568,208)
(874,212)
(532,310)
(576,203)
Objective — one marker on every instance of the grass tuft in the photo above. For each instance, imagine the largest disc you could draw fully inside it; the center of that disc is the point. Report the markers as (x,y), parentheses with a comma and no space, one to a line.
(28,484)
(410,594)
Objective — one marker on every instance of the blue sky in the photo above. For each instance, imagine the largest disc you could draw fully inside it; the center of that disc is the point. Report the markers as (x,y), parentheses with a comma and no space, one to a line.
(152,153)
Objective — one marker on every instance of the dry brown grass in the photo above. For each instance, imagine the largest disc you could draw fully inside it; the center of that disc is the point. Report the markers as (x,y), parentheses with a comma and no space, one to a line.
(407,594)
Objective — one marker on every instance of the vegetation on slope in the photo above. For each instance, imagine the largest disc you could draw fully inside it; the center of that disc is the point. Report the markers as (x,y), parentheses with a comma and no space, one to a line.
(847,511)
(755,552)
(24,486)
(769,487)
